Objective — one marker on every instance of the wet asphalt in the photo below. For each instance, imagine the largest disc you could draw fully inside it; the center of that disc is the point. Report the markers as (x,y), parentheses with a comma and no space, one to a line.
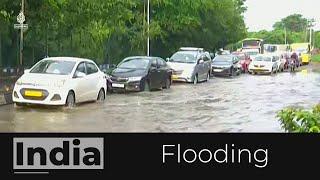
(248,103)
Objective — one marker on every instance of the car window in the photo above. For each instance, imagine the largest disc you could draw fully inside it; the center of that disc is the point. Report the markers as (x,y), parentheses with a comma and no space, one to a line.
(91,68)
(207,57)
(235,59)
(154,63)
(57,67)
(184,57)
(134,63)
(81,68)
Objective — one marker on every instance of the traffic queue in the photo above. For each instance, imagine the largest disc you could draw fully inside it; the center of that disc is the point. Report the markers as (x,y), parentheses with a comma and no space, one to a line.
(66,81)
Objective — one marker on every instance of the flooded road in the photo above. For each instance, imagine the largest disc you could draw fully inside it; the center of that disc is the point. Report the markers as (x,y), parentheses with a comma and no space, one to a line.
(242,104)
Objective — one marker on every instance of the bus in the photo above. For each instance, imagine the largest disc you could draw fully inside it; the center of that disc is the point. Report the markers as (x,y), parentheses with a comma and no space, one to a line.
(254,44)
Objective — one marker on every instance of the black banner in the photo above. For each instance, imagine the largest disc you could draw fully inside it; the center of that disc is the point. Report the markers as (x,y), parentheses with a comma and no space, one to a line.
(154,156)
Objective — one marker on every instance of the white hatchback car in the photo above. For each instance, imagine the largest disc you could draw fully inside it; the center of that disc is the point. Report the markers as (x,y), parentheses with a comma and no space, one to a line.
(60,81)
(263,64)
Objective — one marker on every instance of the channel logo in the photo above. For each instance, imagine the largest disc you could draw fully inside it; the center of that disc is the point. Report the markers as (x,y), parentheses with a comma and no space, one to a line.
(58,153)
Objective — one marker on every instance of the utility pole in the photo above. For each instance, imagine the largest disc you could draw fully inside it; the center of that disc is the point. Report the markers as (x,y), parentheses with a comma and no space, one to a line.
(310,38)
(285,35)
(148,20)
(22,27)
(21,35)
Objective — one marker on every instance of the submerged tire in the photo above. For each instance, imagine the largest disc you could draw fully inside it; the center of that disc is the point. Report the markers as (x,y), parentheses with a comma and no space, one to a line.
(71,100)
(101,96)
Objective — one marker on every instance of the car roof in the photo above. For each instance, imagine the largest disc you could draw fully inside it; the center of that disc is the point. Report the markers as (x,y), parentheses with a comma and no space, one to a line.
(190,49)
(71,59)
(142,57)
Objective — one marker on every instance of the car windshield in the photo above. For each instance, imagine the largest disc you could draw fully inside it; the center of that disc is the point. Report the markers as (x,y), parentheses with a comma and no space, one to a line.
(222,60)
(137,63)
(262,58)
(184,57)
(58,67)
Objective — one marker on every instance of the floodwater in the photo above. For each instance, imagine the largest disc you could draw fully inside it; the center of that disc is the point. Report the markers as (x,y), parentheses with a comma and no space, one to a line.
(242,104)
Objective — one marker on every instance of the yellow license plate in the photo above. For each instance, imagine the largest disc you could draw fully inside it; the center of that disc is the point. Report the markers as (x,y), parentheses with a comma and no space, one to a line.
(33,93)
(174,77)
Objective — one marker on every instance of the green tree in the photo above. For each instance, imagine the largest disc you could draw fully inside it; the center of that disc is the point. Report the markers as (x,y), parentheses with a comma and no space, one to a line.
(294,23)
(109,30)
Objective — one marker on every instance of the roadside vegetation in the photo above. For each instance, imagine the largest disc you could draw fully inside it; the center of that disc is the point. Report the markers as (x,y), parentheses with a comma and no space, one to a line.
(316,58)
(297,120)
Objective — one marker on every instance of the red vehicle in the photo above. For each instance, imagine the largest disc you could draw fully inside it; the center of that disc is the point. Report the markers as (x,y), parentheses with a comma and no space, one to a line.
(244,61)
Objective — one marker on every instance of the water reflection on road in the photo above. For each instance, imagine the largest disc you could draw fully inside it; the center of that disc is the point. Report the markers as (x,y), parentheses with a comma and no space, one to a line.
(242,104)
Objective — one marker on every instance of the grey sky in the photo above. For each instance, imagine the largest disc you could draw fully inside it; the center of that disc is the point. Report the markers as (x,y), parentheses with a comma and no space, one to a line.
(262,14)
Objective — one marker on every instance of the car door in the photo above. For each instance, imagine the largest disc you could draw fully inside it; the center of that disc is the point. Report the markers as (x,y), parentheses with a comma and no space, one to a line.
(163,70)
(235,62)
(274,63)
(93,77)
(81,83)
(207,63)
(202,75)
(154,75)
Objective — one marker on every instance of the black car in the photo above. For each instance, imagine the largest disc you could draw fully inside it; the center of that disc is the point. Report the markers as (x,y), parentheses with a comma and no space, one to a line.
(141,73)
(226,65)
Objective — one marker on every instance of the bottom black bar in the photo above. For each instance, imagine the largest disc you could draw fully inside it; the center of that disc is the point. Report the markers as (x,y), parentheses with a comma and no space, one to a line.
(165,156)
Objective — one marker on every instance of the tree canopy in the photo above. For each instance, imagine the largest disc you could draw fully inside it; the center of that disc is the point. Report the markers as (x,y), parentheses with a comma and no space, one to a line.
(292,29)
(294,23)
(109,30)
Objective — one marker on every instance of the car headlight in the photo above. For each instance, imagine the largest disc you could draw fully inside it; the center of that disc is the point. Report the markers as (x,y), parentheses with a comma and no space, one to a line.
(135,78)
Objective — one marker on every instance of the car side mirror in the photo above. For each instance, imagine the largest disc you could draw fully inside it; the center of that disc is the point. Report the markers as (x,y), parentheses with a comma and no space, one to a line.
(80,74)
(153,68)
(167,59)
(26,71)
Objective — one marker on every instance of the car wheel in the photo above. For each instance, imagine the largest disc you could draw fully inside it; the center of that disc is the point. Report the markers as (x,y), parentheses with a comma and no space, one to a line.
(168,83)
(146,86)
(195,79)
(208,77)
(238,72)
(231,72)
(101,96)
(71,100)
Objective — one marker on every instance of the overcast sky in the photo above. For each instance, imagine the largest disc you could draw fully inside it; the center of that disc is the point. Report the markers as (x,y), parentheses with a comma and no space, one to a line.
(262,14)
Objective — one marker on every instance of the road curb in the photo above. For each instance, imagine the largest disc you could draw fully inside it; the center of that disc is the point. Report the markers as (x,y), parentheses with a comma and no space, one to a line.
(5,99)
